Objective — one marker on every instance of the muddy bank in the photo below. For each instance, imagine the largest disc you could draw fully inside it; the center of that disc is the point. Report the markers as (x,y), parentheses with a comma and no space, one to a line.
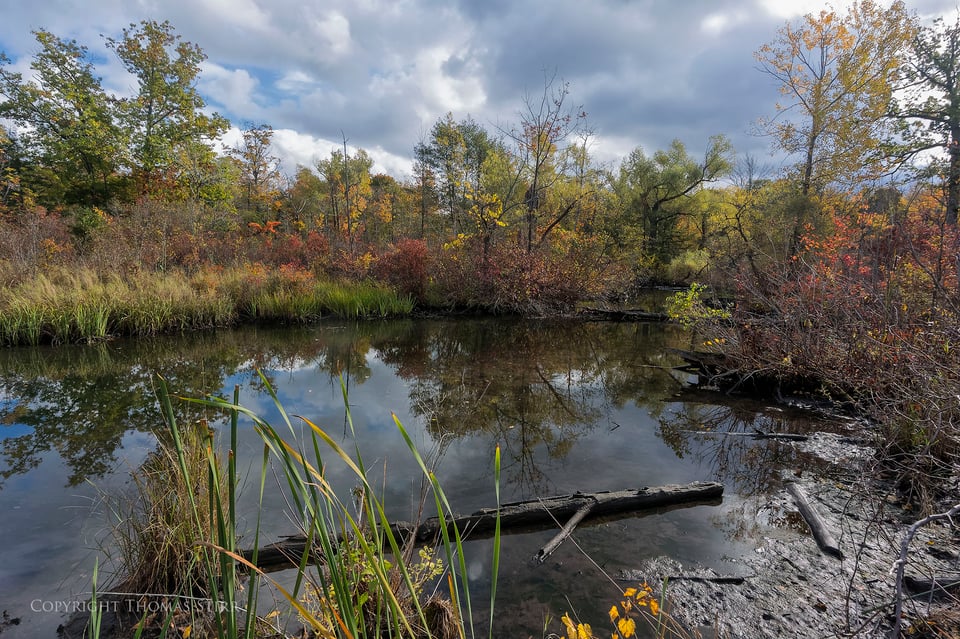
(789,587)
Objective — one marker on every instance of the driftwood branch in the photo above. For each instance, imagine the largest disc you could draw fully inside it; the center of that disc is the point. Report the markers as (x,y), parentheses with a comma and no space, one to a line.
(821,532)
(523,516)
(901,562)
(565,532)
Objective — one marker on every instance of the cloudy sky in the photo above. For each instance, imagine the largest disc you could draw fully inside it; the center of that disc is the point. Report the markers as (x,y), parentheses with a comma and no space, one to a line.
(382,72)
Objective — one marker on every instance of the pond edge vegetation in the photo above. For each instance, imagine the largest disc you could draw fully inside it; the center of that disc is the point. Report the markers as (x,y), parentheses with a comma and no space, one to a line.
(179,546)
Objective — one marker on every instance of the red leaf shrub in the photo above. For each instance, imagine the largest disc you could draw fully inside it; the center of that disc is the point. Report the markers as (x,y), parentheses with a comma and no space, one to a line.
(405,268)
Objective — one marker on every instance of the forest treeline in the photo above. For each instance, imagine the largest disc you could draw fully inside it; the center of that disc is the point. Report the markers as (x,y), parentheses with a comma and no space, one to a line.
(843,263)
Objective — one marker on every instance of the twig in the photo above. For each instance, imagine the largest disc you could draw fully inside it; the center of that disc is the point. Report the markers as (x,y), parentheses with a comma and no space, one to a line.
(901,562)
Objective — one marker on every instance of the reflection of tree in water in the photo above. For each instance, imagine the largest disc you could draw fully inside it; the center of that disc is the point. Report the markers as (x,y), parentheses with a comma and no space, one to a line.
(80,401)
(536,388)
(719,437)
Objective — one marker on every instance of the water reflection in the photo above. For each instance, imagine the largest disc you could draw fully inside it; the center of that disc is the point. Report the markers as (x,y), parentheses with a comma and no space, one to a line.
(528,385)
(573,406)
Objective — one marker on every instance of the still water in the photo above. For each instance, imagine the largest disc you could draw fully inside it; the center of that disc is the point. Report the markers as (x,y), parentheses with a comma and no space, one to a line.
(574,406)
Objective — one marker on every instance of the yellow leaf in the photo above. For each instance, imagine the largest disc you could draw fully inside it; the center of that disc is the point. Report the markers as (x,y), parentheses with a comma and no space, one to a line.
(187,631)
(614,613)
(627,627)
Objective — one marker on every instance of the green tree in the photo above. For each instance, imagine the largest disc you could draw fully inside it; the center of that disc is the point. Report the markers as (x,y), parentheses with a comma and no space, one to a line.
(9,177)
(204,178)
(654,191)
(932,103)
(68,119)
(425,186)
(167,110)
(304,199)
(455,157)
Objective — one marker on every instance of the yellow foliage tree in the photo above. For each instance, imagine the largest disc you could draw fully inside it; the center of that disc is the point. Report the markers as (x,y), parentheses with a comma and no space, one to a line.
(836,74)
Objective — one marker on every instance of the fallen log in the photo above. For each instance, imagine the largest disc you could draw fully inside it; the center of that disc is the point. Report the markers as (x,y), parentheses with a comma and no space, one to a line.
(821,532)
(522,516)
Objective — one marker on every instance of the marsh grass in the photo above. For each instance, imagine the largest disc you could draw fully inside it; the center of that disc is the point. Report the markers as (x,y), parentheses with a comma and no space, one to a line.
(183,539)
(153,536)
(77,305)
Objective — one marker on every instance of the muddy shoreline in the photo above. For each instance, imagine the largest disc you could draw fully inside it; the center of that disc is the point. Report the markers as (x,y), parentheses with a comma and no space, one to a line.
(790,587)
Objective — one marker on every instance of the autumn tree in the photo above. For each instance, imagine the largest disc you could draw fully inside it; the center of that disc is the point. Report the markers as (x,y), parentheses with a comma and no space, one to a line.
(167,109)
(347,184)
(259,170)
(69,128)
(390,214)
(931,101)
(455,156)
(836,74)
(546,123)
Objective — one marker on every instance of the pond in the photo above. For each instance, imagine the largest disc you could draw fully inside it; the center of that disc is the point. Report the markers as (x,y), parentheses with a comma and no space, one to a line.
(574,406)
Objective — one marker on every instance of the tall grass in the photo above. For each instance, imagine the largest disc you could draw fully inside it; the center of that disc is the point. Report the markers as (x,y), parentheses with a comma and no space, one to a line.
(371,583)
(79,305)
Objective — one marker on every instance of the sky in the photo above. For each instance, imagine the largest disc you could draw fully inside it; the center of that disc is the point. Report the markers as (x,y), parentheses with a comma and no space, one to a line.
(380,73)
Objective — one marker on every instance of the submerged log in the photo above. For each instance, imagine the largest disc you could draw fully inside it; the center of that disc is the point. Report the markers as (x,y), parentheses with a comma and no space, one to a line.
(936,588)
(821,532)
(623,315)
(757,434)
(522,516)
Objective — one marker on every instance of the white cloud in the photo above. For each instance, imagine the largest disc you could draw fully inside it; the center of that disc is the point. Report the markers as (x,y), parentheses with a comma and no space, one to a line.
(237,12)
(384,71)
(334,29)
(460,91)
(787,9)
(294,148)
(235,90)
(296,82)
(717,24)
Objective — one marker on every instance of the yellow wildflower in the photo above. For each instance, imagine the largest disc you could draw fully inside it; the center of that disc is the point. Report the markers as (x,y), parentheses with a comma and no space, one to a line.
(614,613)
(654,607)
